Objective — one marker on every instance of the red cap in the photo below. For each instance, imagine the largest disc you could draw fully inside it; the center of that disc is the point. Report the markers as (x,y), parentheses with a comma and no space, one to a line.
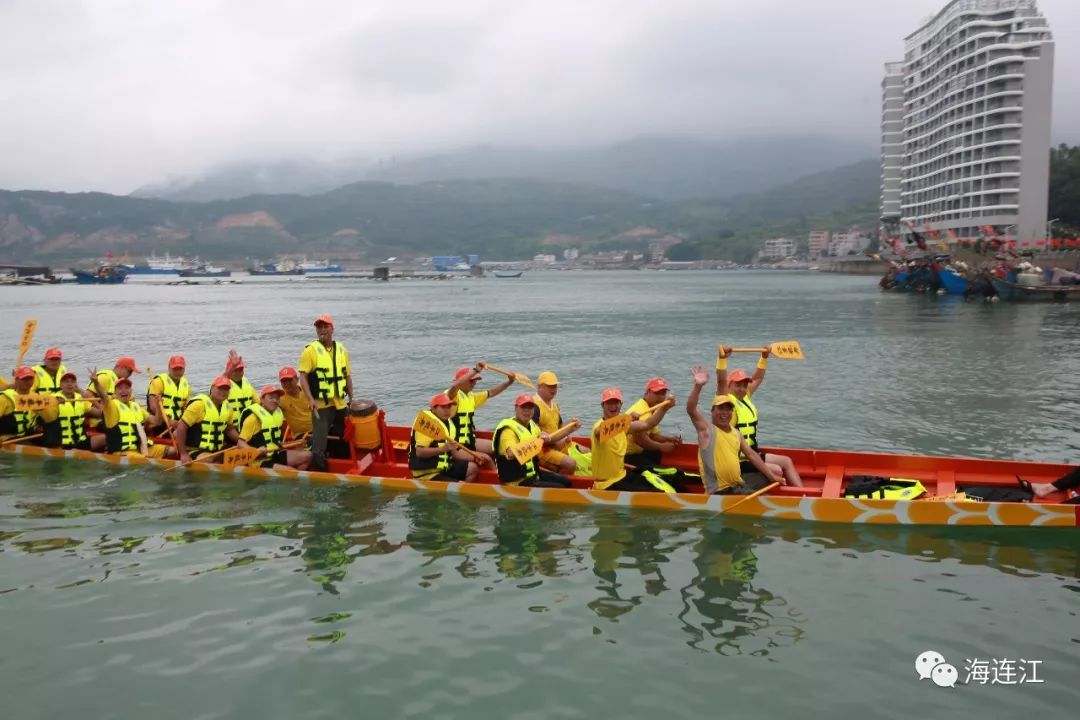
(657,384)
(462,372)
(69,374)
(53,353)
(611,393)
(270,390)
(524,399)
(177,361)
(24,372)
(129,363)
(440,399)
(122,381)
(325,319)
(737,376)
(222,381)
(287,372)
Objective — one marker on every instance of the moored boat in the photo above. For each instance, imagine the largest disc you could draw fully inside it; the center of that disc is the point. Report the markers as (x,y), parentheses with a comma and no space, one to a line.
(825,473)
(155,265)
(1036,293)
(101,275)
(205,271)
(320,266)
(275,269)
(509,274)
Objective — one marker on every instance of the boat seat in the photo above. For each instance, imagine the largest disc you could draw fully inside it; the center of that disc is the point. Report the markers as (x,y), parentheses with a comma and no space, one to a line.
(946,482)
(834,479)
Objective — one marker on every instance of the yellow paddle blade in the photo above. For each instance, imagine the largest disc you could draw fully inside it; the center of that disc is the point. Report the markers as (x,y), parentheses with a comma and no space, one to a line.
(27,337)
(426,425)
(239,456)
(526,451)
(35,402)
(614,426)
(787,350)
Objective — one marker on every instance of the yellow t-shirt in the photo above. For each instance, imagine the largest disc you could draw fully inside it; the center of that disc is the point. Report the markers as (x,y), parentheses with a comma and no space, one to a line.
(548,418)
(607,458)
(111,408)
(719,465)
(251,428)
(105,377)
(156,387)
(308,362)
(194,413)
(297,412)
(639,407)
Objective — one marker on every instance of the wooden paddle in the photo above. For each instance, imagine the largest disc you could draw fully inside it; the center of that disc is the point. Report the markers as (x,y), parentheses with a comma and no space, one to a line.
(436,431)
(751,496)
(621,423)
(523,379)
(523,452)
(35,402)
(27,338)
(787,350)
(10,441)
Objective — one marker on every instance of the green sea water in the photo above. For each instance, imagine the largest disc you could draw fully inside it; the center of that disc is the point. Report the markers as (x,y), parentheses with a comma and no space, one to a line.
(128,593)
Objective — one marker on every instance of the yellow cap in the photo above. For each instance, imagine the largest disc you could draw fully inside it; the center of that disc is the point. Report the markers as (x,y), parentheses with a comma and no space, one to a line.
(547,378)
(723,400)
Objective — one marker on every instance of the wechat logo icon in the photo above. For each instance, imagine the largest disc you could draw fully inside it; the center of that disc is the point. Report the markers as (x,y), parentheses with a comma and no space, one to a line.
(931,665)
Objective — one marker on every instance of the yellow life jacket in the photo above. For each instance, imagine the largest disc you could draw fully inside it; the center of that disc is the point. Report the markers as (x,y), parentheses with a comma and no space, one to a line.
(511,472)
(124,436)
(46,383)
(271,425)
(607,459)
(209,434)
(548,418)
(241,397)
(746,419)
(17,422)
(463,421)
(174,395)
(68,429)
(429,466)
(327,379)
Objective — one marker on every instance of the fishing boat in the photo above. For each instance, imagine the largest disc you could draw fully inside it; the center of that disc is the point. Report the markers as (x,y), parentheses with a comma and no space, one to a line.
(281,268)
(106,274)
(206,270)
(509,274)
(319,266)
(155,265)
(1036,293)
(824,472)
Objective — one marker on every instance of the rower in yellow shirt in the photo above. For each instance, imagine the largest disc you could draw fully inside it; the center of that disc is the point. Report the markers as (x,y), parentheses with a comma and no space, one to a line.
(609,468)
(17,423)
(720,445)
(294,403)
(124,421)
(443,460)
(168,393)
(106,379)
(241,391)
(645,448)
(549,418)
(49,372)
(263,426)
(206,423)
(468,400)
(65,422)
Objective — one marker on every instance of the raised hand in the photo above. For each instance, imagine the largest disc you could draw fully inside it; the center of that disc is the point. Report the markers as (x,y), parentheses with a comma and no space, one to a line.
(699,374)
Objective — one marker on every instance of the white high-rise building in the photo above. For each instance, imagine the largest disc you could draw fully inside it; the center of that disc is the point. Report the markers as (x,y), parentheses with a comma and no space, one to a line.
(974,122)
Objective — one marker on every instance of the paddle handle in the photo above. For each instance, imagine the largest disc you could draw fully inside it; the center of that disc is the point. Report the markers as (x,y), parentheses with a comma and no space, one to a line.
(749,350)
(201,458)
(10,441)
(519,378)
(751,496)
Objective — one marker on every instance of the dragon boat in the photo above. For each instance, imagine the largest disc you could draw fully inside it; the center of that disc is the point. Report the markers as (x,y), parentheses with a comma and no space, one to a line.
(380,460)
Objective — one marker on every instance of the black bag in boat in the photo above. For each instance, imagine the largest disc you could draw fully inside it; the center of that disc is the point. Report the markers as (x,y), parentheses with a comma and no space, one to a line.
(993,493)
(883,488)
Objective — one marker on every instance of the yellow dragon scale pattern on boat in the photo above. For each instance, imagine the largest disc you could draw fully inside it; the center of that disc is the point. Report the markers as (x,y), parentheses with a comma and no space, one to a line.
(836,510)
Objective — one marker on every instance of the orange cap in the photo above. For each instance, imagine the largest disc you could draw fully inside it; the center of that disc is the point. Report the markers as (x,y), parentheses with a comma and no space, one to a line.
(270,390)
(462,372)
(122,381)
(325,319)
(440,399)
(24,372)
(737,376)
(287,372)
(53,353)
(177,361)
(129,363)
(69,374)
(524,399)
(657,384)
(222,381)
(611,393)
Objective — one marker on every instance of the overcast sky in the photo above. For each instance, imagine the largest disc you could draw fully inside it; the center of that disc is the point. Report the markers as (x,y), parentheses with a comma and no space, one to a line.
(108,95)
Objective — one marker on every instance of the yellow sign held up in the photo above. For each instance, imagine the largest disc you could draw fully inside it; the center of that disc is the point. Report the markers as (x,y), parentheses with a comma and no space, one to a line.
(525,451)
(27,338)
(240,456)
(427,425)
(785,350)
(35,402)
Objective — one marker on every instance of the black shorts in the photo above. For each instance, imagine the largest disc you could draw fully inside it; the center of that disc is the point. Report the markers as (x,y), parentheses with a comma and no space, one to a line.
(548,479)
(279,457)
(643,459)
(455,473)
(750,484)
